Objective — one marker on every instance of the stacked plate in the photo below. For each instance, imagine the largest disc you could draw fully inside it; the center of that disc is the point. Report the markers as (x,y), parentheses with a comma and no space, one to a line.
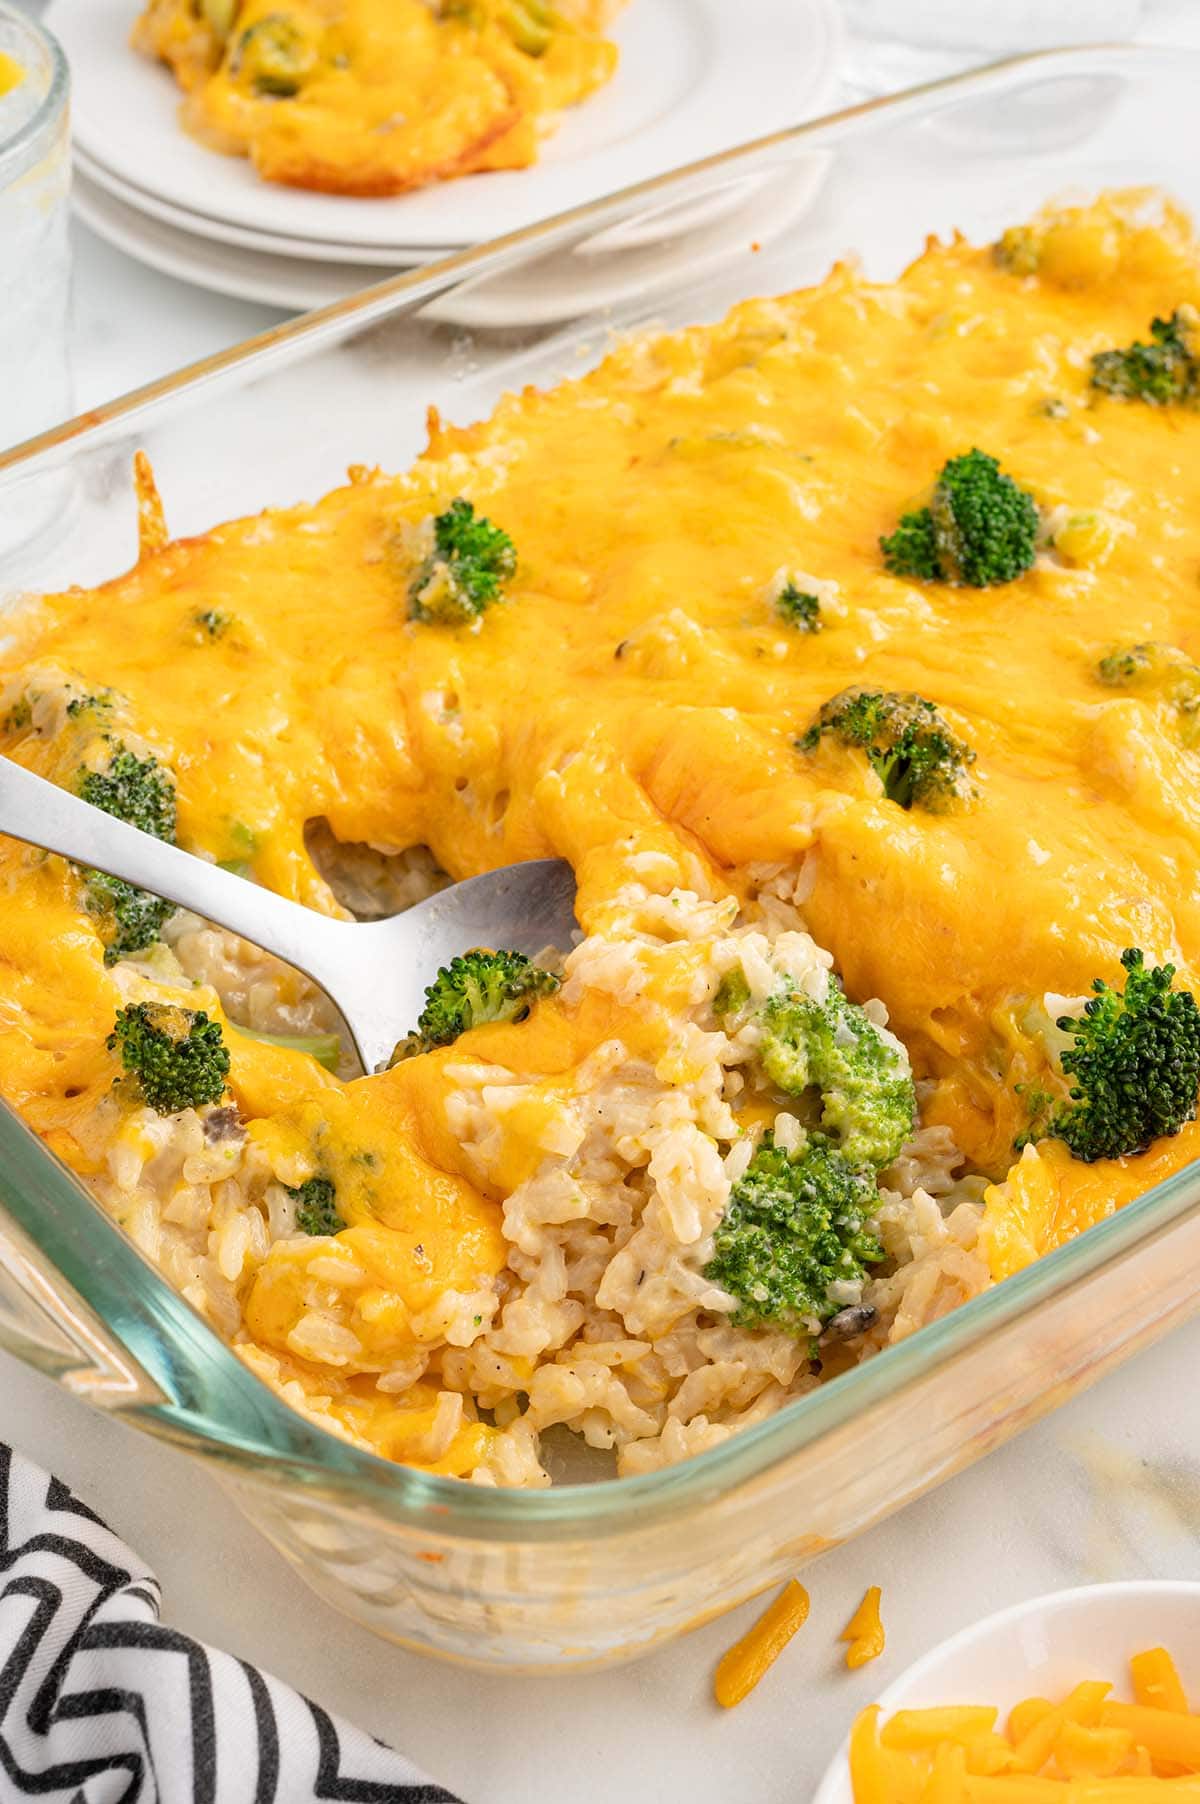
(695,77)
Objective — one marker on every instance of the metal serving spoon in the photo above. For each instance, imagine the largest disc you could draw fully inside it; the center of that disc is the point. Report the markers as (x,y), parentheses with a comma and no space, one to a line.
(375,971)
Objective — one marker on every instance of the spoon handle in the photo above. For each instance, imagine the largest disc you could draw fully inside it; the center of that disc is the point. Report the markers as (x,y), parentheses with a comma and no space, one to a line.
(42,814)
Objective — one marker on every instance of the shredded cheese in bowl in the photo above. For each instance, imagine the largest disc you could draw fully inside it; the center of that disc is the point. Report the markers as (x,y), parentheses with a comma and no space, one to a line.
(1086,1749)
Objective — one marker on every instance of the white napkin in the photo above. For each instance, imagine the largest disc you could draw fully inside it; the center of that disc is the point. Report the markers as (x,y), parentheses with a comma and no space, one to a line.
(100,1704)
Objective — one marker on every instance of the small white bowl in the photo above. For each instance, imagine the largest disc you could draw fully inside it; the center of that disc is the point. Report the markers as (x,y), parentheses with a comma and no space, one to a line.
(1042,1648)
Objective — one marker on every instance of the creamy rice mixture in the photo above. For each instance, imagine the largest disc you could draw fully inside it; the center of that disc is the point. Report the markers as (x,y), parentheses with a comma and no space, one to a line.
(603,1320)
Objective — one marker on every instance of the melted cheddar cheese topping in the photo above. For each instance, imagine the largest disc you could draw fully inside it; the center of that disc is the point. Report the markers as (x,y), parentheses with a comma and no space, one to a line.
(373,97)
(634,706)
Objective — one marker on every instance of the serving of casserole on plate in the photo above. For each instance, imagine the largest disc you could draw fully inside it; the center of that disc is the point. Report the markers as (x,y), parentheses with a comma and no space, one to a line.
(378,96)
(688,82)
(864,713)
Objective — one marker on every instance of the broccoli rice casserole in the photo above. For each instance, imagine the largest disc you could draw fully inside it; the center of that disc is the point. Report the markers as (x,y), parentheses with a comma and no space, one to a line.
(846,649)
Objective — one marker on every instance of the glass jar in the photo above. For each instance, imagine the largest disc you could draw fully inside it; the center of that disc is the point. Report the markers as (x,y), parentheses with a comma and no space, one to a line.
(35,180)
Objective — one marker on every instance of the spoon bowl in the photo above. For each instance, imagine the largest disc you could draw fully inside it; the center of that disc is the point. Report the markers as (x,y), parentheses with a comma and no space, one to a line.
(375,971)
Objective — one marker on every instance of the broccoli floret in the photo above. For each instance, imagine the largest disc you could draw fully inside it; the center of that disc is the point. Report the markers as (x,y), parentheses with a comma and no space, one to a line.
(1134,1066)
(244,844)
(19,716)
(478,987)
(141,792)
(137,790)
(912,549)
(530,25)
(919,759)
(469,11)
(316,1206)
(99,703)
(868,1102)
(465,572)
(325,1048)
(799,609)
(211,624)
(130,919)
(733,993)
(174,1058)
(1164,371)
(793,1227)
(1136,666)
(979,529)
(1018,250)
(1162,673)
(274,56)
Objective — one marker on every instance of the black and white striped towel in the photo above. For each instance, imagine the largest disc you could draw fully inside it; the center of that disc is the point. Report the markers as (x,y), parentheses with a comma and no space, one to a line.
(100,1704)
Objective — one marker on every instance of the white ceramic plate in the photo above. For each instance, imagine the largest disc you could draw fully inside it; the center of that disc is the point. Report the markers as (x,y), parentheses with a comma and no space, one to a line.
(656,226)
(1042,1648)
(696,77)
(617,265)
(288,282)
(200,225)
(629,262)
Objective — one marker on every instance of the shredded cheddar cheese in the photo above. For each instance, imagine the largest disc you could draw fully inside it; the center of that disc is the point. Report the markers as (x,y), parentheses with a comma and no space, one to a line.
(1156,1681)
(864,1631)
(1089,1749)
(740,1670)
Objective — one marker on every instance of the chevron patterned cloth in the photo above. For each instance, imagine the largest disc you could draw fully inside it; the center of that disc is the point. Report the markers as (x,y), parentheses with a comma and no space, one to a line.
(101,1704)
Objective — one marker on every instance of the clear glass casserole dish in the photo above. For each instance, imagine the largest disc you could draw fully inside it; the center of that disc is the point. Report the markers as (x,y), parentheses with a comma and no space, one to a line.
(586,1573)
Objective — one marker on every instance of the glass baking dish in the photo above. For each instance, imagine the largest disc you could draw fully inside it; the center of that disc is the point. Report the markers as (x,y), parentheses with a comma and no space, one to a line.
(588,1572)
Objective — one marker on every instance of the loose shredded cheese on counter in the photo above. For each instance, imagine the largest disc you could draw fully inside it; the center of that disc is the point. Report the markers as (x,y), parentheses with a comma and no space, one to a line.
(864,1631)
(1088,1749)
(748,1659)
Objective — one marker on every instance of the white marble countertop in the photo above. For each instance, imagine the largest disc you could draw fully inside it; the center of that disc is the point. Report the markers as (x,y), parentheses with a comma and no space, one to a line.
(1109,1487)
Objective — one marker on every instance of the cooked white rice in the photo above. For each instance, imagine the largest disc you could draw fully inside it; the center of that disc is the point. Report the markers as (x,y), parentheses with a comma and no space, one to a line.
(602,1320)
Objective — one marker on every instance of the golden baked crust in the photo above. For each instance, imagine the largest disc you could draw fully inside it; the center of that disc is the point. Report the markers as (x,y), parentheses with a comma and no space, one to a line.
(375,97)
